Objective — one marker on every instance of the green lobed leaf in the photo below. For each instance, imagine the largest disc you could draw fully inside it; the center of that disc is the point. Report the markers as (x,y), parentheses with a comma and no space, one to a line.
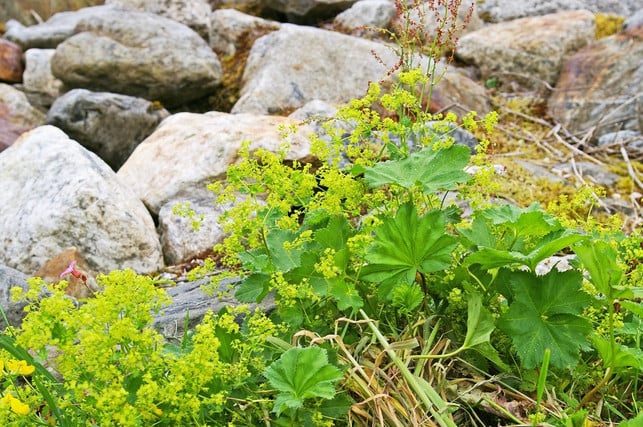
(546,313)
(299,374)
(432,170)
(253,289)
(599,258)
(407,297)
(345,294)
(405,245)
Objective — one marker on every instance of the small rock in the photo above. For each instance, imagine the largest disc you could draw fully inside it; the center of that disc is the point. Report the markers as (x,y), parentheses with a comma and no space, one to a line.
(17,115)
(138,54)
(309,11)
(109,124)
(188,299)
(11,67)
(179,240)
(40,84)
(14,311)
(366,15)
(231,29)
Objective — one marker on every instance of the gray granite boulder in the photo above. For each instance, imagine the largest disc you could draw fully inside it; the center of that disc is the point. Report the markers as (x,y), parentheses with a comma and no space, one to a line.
(55,194)
(188,298)
(193,13)
(187,151)
(506,10)
(40,85)
(366,14)
(296,64)
(534,48)
(308,11)
(179,238)
(138,54)
(109,124)
(53,31)
(10,278)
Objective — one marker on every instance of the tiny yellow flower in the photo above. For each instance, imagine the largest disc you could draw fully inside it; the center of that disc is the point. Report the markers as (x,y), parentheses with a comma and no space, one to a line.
(19,367)
(157,411)
(16,406)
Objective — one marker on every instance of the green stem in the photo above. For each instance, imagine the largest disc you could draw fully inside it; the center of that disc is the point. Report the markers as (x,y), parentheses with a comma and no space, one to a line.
(592,392)
(429,397)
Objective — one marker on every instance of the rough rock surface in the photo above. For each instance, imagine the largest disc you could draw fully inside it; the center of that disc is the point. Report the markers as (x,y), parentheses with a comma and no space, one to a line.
(193,13)
(17,115)
(25,11)
(55,194)
(366,14)
(179,240)
(600,89)
(189,298)
(188,151)
(535,47)
(309,11)
(41,87)
(52,32)
(230,30)
(10,278)
(138,54)
(11,67)
(109,124)
(296,64)
(505,10)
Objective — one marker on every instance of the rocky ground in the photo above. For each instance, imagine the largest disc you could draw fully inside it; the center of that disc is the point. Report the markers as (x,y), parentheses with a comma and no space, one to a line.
(113,114)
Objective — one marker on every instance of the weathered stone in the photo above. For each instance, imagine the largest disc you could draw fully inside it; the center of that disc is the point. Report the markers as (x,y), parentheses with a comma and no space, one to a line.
(11,67)
(51,33)
(179,240)
(591,172)
(366,14)
(193,13)
(231,29)
(25,11)
(109,124)
(310,11)
(55,194)
(634,21)
(13,310)
(189,299)
(600,89)
(40,85)
(294,65)
(531,48)
(138,54)
(434,22)
(188,151)
(458,93)
(506,10)
(17,115)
